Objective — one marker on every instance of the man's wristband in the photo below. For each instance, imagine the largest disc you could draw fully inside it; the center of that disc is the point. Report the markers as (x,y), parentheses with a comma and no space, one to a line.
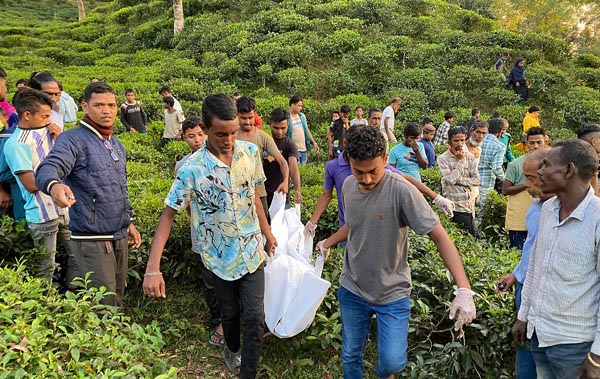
(156,273)
(591,360)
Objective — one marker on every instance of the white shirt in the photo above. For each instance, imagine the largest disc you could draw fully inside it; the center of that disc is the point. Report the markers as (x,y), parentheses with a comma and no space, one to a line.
(562,287)
(387,112)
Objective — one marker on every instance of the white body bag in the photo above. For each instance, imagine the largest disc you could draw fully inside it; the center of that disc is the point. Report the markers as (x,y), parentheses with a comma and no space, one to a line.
(294,289)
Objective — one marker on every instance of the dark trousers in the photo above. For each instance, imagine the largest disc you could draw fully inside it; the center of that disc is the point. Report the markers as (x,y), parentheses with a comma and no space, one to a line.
(517,238)
(106,260)
(209,293)
(464,219)
(246,293)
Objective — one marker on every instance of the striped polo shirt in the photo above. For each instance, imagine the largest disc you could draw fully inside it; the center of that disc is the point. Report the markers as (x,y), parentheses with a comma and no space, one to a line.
(24,151)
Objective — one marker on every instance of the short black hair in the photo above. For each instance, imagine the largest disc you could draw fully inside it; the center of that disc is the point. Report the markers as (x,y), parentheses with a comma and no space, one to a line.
(164,89)
(29,99)
(22,81)
(295,99)
(497,115)
(494,126)
(38,78)
(536,131)
(220,106)
(373,110)
(533,108)
(426,121)
(191,122)
(474,111)
(345,108)
(587,128)
(581,154)
(448,115)
(357,108)
(395,100)
(129,90)
(457,130)
(2,73)
(169,100)
(336,112)
(278,115)
(97,87)
(245,104)
(412,129)
(364,143)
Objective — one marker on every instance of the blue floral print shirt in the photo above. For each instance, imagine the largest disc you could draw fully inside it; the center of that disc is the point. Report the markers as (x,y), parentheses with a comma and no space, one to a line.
(225,227)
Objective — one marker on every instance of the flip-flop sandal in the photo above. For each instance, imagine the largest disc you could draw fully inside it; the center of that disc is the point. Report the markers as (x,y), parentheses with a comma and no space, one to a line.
(220,338)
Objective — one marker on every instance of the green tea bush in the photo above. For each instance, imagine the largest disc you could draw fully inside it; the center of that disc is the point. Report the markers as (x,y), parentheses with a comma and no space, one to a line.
(493,215)
(47,335)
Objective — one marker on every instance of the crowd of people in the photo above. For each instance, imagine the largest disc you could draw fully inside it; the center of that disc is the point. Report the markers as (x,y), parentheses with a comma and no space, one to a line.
(71,188)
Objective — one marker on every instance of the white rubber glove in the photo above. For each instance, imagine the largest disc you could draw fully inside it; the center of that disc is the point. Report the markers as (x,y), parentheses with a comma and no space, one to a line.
(323,250)
(444,205)
(310,229)
(464,304)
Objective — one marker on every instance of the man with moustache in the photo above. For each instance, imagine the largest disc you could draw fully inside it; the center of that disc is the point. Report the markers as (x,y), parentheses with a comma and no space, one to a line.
(380,202)
(85,171)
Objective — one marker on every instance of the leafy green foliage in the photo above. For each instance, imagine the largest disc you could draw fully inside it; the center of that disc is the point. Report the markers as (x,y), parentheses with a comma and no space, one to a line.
(72,336)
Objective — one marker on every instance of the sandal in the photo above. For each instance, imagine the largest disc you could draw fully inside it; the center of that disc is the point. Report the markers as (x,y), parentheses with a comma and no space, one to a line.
(218,341)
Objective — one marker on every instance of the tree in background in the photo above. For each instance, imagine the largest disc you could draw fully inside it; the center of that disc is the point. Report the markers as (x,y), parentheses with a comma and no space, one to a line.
(178,15)
(80,10)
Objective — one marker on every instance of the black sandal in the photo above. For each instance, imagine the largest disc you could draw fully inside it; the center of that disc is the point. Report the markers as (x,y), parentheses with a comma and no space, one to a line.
(220,338)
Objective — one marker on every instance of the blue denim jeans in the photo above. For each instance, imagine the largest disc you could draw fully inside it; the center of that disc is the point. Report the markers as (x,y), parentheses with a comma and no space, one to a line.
(559,361)
(392,331)
(302,157)
(524,364)
(517,238)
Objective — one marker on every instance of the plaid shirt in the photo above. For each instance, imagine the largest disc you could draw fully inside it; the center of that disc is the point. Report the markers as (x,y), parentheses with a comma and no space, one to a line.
(458,176)
(490,161)
(441,136)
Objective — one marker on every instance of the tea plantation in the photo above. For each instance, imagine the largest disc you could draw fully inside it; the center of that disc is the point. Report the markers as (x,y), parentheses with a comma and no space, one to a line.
(434,54)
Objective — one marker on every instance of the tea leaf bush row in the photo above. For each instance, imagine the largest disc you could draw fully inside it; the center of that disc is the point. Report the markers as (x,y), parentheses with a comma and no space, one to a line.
(48,335)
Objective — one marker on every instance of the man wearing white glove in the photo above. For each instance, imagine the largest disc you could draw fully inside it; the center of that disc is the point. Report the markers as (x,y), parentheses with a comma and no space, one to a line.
(378,202)
(459,176)
(337,170)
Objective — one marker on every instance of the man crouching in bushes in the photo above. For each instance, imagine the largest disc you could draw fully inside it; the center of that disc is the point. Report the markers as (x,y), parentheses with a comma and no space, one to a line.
(227,217)
(381,203)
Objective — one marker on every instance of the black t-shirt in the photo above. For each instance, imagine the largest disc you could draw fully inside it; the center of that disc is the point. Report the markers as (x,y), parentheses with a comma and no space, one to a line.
(287,148)
(338,131)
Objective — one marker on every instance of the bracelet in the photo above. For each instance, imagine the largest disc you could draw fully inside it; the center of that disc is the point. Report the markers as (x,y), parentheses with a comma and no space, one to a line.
(157,273)
(592,361)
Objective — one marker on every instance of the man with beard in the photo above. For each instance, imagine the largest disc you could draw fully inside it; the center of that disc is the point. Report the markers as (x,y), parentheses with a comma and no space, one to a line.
(380,202)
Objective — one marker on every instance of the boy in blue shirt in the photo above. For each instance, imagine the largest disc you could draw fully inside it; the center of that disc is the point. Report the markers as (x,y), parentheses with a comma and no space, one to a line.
(426,140)
(28,146)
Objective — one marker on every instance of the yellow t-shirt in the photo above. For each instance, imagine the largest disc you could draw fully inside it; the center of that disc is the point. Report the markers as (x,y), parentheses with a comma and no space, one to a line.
(516,210)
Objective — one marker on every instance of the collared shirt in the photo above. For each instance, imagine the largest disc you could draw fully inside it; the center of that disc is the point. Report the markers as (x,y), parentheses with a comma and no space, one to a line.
(490,161)
(532,221)
(441,136)
(24,151)
(458,176)
(362,121)
(225,227)
(562,287)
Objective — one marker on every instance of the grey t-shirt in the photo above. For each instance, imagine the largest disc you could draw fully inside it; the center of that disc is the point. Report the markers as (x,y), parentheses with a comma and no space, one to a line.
(375,261)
